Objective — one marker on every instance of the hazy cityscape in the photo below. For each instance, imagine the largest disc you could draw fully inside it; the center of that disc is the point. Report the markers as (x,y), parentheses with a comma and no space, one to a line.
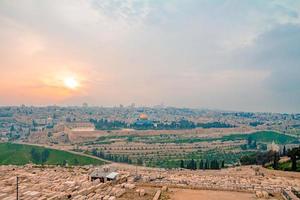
(165,138)
(149,100)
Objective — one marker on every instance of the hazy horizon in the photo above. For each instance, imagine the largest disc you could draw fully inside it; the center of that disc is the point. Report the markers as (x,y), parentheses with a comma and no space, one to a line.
(209,54)
(146,106)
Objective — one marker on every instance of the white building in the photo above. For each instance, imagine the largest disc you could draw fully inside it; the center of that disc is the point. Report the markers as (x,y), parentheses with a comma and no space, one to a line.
(273,147)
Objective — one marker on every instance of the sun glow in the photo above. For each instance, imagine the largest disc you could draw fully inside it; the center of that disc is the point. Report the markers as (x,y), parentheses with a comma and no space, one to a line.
(71,83)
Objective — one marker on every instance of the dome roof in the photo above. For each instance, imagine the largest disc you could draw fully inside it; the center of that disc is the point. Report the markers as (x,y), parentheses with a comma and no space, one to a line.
(143,116)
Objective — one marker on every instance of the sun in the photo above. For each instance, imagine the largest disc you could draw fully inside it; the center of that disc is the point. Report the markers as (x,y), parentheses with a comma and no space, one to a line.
(71,83)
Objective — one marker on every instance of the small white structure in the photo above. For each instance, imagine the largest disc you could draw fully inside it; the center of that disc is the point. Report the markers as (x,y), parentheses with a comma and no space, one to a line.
(104,174)
(273,147)
(112,176)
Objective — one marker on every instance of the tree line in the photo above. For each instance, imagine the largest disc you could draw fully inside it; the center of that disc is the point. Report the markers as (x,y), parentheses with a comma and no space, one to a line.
(272,158)
(294,155)
(104,124)
(39,157)
(203,164)
(112,157)
(184,164)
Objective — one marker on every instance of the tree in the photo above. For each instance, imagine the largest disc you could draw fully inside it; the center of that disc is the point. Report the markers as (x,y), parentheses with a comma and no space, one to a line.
(76,162)
(12,128)
(45,155)
(276,160)
(206,165)
(263,158)
(249,140)
(188,166)
(251,143)
(139,161)
(254,145)
(248,159)
(129,161)
(34,124)
(201,164)
(223,164)
(130,138)
(284,151)
(182,164)
(64,162)
(293,154)
(35,155)
(214,164)
(94,152)
(260,158)
(194,164)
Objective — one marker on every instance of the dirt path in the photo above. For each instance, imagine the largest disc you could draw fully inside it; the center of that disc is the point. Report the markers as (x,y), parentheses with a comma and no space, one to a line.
(183,194)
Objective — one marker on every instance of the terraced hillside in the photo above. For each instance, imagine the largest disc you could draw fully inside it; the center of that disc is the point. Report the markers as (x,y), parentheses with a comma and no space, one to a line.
(170,150)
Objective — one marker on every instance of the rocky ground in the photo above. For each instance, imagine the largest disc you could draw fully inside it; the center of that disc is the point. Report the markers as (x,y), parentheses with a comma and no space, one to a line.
(246,178)
(36,182)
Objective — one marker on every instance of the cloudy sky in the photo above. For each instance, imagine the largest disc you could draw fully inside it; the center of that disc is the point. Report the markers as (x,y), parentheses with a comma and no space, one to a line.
(223,54)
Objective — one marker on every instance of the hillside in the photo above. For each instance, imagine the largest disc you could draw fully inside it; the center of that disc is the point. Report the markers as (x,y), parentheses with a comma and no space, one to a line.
(264,136)
(20,154)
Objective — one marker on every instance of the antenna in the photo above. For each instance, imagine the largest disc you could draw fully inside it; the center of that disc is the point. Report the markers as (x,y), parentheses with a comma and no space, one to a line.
(17,188)
(136,174)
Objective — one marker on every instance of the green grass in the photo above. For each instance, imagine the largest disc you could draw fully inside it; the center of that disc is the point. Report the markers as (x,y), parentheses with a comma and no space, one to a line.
(259,136)
(263,136)
(20,154)
(287,166)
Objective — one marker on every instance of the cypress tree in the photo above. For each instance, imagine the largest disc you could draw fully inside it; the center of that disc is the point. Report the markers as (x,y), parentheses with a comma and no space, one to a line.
(223,164)
(217,165)
(284,151)
(276,160)
(201,164)
(206,165)
(193,164)
(182,164)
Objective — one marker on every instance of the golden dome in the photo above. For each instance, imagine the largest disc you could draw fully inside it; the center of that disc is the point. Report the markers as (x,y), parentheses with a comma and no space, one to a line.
(143,116)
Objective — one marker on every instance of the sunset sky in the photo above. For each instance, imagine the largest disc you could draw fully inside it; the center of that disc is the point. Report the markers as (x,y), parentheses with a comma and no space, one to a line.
(222,54)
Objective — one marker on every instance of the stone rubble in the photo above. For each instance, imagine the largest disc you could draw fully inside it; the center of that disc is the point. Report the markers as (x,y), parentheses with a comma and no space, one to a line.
(243,178)
(57,183)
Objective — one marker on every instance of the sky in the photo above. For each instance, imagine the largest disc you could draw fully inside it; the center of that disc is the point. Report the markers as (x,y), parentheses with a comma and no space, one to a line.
(218,54)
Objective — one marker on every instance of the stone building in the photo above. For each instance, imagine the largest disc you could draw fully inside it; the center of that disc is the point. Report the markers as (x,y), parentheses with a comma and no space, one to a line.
(103,175)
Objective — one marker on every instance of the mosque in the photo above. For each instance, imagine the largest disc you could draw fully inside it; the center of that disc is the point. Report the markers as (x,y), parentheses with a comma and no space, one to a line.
(143,120)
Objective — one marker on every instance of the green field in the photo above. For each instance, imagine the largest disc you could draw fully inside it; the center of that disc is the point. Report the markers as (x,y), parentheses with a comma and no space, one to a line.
(20,154)
(286,166)
(263,136)
(259,136)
